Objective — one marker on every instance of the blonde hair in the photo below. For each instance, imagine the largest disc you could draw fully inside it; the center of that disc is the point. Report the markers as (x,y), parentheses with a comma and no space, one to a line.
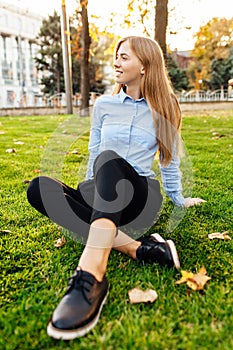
(157,90)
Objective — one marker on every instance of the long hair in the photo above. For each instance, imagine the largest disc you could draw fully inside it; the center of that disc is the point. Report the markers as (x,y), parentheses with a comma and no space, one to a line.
(157,90)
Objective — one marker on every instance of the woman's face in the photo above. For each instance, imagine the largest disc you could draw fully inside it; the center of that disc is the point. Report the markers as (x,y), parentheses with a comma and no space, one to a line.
(128,69)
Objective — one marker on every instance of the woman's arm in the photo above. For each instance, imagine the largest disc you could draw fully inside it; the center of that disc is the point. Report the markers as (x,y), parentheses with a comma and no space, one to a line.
(95,138)
(171,179)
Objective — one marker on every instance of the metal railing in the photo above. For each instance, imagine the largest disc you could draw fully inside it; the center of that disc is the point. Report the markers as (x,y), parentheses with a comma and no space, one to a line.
(59,100)
(205,96)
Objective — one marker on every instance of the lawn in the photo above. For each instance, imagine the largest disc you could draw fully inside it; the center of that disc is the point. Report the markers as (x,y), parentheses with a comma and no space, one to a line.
(34,272)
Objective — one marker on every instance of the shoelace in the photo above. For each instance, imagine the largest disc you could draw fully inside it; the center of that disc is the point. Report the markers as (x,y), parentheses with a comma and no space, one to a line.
(82,283)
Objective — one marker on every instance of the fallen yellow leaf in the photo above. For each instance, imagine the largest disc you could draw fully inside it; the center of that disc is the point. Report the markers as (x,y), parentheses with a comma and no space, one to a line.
(202,270)
(198,282)
(195,281)
(185,276)
(137,295)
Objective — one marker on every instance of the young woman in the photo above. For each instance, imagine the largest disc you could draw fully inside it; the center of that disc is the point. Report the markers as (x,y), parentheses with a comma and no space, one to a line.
(120,197)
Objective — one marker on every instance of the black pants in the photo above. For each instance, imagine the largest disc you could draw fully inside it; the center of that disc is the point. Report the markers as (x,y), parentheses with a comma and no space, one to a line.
(116,192)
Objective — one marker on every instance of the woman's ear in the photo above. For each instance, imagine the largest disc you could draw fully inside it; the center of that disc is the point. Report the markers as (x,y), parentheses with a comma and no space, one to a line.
(142,70)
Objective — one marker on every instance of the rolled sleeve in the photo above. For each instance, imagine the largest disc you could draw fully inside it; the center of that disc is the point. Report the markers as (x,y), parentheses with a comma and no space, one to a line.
(171,179)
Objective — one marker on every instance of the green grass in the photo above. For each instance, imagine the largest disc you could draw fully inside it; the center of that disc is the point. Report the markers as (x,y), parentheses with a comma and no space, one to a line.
(34,273)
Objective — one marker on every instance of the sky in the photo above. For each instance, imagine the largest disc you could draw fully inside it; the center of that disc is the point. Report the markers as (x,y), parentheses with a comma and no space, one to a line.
(190,13)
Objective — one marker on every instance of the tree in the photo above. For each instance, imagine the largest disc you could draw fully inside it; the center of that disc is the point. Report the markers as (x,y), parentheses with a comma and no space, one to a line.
(213,41)
(221,72)
(161,21)
(85,54)
(50,59)
(101,56)
(178,76)
(139,16)
(100,51)
(140,13)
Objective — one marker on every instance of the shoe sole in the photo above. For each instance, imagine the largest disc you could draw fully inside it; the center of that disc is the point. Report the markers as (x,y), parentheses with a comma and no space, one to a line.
(64,334)
(171,247)
(158,238)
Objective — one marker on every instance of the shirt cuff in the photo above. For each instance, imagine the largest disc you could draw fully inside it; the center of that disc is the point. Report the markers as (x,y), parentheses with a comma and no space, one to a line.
(177,198)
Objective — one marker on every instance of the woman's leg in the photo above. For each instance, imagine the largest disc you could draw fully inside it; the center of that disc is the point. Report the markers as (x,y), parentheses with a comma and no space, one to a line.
(125,244)
(95,255)
(67,207)
(56,191)
(80,308)
(62,204)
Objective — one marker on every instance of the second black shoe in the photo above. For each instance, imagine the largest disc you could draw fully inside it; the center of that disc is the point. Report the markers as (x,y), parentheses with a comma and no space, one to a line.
(80,308)
(154,249)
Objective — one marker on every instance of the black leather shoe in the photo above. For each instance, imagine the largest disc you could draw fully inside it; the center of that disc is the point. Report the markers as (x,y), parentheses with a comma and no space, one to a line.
(154,249)
(80,308)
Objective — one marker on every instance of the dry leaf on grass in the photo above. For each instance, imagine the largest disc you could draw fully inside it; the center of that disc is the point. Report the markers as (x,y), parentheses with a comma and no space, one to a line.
(194,281)
(75,151)
(36,171)
(19,143)
(26,181)
(5,231)
(185,277)
(137,295)
(60,242)
(11,150)
(218,235)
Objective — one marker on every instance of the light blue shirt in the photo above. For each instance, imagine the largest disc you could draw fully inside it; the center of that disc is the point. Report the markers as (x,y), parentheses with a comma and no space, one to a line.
(126,126)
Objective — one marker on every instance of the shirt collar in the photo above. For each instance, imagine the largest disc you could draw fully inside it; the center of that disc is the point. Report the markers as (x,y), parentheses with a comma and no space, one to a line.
(123,96)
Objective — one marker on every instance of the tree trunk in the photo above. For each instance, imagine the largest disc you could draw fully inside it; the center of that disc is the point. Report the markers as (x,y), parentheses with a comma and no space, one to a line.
(161,21)
(58,76)
(85,44)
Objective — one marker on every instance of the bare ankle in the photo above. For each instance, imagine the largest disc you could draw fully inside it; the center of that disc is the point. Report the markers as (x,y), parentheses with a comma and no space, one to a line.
(133,249)
(94,261)
(129,249)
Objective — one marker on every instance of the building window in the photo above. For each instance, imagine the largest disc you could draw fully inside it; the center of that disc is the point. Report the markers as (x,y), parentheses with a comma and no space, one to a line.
(10,98)
(33,70)
(21,62)
(7,64)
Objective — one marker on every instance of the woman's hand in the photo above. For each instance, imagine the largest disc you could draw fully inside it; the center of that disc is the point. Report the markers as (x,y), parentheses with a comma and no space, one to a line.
(190,202)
